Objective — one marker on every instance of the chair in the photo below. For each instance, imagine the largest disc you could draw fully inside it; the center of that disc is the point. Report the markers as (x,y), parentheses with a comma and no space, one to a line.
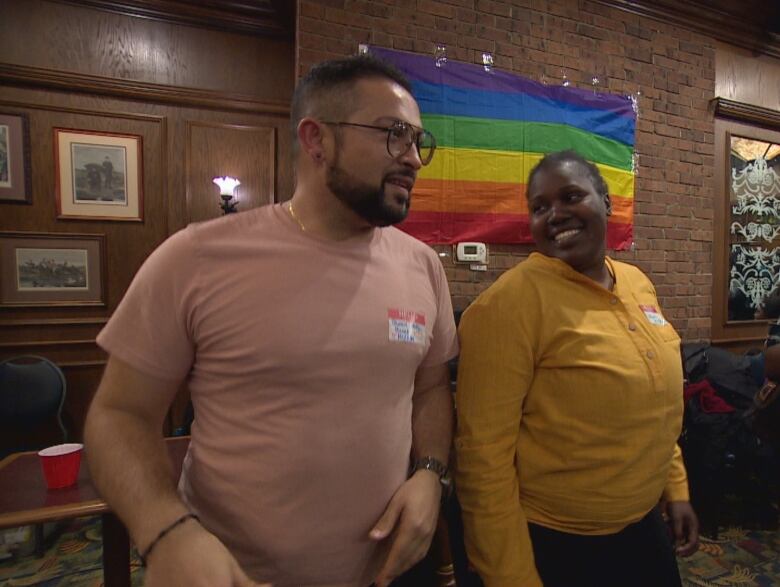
(32,391)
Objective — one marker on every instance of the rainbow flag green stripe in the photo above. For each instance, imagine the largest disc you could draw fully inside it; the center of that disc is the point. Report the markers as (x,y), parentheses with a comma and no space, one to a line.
(529,137)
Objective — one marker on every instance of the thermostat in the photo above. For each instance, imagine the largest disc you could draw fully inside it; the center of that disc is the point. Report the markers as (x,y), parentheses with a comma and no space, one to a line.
(471,253)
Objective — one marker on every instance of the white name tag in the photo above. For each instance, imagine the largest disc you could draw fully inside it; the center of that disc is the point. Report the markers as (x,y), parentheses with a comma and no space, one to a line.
(653,315)
(406,326)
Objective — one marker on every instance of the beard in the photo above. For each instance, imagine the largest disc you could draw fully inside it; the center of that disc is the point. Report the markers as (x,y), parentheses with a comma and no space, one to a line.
(367,201)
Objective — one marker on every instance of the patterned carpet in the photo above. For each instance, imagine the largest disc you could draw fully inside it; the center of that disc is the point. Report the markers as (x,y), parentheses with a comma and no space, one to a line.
(72,560)
(742,558)
(738,558)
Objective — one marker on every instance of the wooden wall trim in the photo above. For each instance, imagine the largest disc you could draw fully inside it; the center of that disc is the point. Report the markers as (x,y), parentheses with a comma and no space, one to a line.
(51,322)
(700,17)
(722,330)
(81,364)
(20,344)
(263,19)
(746,112)
(741,340)
(159,119)
(69,81)
(70,365)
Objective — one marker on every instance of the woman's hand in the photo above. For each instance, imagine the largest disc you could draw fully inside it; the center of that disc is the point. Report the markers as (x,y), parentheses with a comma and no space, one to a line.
(685,527)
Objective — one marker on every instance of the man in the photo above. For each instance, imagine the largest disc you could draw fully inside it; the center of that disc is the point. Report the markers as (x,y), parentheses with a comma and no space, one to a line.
(314,343)
(108,171)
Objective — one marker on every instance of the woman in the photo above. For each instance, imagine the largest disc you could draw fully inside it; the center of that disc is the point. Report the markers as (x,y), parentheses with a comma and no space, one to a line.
(569,407)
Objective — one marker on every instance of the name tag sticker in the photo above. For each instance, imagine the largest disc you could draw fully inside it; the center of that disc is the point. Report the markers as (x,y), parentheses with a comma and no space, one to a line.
(406,326)
(653,315)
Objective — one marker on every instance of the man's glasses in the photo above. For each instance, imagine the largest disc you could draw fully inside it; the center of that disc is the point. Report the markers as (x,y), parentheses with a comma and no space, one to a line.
(400,138)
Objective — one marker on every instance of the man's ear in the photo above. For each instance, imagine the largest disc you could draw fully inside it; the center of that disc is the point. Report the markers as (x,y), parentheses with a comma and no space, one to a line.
(310,138)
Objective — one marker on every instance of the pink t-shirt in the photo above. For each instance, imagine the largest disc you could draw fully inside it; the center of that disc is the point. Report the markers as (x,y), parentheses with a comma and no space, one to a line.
(300,355)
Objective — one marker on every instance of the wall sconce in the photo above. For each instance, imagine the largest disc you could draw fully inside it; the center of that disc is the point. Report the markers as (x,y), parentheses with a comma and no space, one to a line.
(227,186)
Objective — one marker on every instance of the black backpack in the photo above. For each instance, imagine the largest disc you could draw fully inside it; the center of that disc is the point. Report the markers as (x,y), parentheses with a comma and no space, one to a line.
(733,472)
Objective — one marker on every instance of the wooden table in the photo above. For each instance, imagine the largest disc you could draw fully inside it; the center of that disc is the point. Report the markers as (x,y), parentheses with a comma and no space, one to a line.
(25,500)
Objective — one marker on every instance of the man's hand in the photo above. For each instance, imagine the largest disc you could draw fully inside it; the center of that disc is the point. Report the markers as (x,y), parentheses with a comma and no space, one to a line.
(411,518)
(685,527)
(193,557)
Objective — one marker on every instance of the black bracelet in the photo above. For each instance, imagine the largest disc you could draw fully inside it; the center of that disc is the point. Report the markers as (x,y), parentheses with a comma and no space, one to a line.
(145,554)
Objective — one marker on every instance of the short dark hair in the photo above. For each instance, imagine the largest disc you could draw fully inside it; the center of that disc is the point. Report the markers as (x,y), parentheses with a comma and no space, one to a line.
(553,159)
(325,91)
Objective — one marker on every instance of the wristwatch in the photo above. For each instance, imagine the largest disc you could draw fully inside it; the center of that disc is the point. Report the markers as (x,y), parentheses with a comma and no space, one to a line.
(436,466)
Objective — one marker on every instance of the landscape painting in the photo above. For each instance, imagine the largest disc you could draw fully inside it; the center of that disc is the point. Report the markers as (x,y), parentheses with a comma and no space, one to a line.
(99,174)
(51,269)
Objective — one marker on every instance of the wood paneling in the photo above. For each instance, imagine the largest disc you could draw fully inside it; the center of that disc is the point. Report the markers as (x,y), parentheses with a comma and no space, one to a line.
(122,260)
(743,77)
(212,99)
(247,153)
(257,17)
(747,87)
(31,336)
(99,43)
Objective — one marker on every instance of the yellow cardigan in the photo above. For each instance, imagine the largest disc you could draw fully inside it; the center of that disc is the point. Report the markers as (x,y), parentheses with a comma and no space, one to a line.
(569,407)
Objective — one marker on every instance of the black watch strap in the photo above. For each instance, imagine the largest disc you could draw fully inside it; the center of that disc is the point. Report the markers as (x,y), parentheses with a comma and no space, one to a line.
(431,464)
(436,466)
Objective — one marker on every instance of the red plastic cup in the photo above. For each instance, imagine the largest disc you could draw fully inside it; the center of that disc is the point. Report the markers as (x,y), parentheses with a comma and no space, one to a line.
(61,464)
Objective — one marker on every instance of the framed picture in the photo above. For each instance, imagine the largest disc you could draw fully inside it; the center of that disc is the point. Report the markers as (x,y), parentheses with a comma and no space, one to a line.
(98,175)
(15,176)
(42,269)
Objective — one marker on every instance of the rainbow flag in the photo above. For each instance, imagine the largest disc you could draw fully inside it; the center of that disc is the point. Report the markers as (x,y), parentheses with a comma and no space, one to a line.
(491,128)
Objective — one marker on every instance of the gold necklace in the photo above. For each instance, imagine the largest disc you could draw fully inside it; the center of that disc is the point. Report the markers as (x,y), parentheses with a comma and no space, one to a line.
(295,216)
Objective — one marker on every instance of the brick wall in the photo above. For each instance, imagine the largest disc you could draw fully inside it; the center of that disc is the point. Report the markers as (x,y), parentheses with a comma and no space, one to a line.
(672,67)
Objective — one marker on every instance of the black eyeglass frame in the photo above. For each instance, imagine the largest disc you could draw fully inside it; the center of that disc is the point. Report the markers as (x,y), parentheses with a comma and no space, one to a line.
(399,124)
